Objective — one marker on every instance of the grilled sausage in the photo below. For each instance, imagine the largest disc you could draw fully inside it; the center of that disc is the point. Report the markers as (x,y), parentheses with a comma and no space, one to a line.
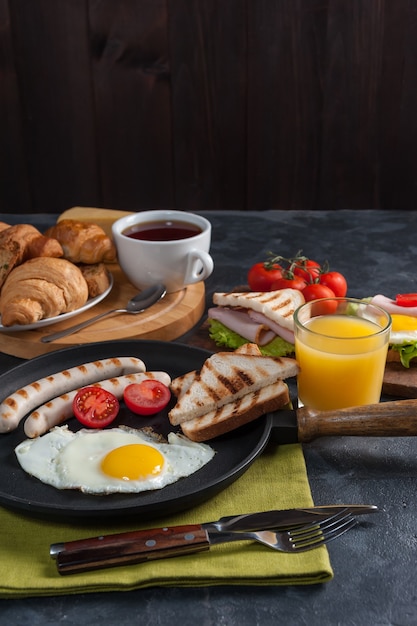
(59,409)
(18,404)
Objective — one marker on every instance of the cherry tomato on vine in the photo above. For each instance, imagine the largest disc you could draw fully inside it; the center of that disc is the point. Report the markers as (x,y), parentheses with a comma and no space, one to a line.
(321,307)
(406,299)
(289,283)
(147,397)
(317,291)
(262,275)
(308,270)
(336,282)
(95,407)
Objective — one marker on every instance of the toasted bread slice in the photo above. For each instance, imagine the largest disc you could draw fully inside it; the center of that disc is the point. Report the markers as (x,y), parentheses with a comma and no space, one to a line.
(9,258)
(279,306)
(97,278)
(226,377)
(180,384)
(236,414)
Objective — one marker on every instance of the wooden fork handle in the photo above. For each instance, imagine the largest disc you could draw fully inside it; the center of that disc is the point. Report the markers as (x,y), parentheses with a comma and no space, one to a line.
(126,548)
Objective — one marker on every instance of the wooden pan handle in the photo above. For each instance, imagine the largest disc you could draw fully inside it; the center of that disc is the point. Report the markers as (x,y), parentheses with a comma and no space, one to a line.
(386,419)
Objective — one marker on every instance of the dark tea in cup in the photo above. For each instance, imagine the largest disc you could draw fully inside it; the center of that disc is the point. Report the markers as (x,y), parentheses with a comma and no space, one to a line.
(167,230)
(164,246)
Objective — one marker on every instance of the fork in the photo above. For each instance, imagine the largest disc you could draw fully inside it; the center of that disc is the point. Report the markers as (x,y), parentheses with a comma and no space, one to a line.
(141,546)
(299,539)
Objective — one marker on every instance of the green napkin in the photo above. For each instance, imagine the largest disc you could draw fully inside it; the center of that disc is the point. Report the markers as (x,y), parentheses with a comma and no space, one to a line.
(276,480)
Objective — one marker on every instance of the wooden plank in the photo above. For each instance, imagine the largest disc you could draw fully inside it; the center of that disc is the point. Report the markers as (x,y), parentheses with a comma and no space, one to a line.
(398,97)
(352,106)
(14,184)
(208,60)
(131,82)
(284,103)
(262,104)
(51,51)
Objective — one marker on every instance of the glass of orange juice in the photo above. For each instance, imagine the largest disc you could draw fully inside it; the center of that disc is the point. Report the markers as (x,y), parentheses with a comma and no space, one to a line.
(341,346)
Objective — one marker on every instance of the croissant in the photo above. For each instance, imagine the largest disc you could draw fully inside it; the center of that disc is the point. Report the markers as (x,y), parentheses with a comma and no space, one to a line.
(31,241)
(40,288)
(83,242)
(21,242)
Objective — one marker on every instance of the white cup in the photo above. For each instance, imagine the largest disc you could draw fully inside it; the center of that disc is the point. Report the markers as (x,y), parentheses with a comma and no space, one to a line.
(175,262)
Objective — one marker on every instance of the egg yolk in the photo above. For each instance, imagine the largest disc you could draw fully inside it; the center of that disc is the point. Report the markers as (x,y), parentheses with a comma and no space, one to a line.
(403,322)
(133,462)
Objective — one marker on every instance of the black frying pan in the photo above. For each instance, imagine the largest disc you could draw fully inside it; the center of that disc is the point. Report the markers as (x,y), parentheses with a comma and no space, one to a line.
(234,452)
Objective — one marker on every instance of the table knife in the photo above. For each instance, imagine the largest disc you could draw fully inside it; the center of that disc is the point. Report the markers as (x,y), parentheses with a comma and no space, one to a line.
(157,543)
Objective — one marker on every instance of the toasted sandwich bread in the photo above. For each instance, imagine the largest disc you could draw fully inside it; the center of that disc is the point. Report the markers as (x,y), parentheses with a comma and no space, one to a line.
(226,377)
(180,384)
(236,414)
(279,306)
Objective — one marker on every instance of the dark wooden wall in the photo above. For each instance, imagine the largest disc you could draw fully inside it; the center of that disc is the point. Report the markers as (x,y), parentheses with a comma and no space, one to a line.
(208,104)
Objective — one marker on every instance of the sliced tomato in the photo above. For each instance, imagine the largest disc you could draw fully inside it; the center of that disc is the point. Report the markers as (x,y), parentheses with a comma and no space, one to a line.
(336,282)
(406,299)
(147,397)
(95,407)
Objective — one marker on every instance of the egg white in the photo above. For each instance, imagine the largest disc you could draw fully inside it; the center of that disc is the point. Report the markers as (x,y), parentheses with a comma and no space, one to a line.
(403,330)
(68,460)
(402,336)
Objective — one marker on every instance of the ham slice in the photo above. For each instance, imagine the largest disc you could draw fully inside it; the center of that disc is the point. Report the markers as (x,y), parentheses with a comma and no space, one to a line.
(391,307)
(285,333)
(255,327)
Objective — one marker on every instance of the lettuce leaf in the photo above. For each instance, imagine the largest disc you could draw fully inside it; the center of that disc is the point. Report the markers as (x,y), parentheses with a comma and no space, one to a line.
(223,336)
(407,352)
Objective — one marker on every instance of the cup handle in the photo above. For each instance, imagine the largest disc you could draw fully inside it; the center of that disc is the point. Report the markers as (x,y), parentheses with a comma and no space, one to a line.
(199,266)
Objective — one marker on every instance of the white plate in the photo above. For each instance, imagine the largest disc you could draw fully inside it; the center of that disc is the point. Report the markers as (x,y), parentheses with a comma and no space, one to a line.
(59,318)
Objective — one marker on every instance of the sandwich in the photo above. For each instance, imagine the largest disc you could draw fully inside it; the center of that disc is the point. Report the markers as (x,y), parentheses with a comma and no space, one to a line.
(403,336)
(263,318)
(230,390)
(403,341)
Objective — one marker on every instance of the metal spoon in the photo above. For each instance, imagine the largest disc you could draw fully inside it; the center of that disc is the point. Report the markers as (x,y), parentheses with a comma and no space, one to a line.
(139,303)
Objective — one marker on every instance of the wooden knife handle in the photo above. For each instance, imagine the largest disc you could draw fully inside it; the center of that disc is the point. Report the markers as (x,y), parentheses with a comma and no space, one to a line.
(386,419)
(131,547)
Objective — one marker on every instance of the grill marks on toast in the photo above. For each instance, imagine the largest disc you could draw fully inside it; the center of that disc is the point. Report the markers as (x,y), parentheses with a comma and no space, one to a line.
(281,306)
(233,383)
(219,388)
(238,413)
(225,378)
(278,305)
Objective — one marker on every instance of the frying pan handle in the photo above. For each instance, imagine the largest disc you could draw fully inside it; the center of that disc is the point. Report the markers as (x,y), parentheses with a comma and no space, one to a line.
(386,419)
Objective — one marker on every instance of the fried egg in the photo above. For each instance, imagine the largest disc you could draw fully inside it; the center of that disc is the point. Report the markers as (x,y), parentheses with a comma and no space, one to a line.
(403,329)
(116,460)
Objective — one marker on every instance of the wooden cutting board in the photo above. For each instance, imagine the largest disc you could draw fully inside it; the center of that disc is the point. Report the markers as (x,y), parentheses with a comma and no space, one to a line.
(400,381)
(166,320)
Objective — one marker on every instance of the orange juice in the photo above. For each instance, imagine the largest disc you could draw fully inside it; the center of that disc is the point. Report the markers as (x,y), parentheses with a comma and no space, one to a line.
(342,361)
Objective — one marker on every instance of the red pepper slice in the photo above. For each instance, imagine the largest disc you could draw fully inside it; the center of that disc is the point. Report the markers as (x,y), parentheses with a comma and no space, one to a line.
(406,299)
